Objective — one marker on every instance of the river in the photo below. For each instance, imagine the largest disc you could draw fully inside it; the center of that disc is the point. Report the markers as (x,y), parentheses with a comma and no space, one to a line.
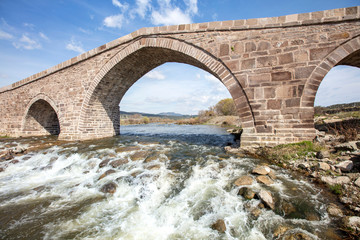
(152,182)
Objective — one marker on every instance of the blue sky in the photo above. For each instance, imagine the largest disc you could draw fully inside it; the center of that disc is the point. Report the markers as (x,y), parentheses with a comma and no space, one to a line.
(38,34)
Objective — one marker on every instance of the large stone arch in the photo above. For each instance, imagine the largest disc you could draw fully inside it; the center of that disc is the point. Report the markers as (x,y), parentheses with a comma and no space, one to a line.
(347,53)
(99,116)
(41,117)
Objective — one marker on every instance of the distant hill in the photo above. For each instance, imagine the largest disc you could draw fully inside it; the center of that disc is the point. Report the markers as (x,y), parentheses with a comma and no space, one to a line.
(171,115)
(343,107)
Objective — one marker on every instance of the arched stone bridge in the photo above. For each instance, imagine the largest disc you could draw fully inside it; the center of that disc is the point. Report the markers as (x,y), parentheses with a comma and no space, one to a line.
(272,68)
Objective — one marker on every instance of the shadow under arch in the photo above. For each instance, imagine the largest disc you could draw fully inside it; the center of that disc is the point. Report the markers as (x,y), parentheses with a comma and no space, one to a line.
(41,117)
(99,116)
(346,54)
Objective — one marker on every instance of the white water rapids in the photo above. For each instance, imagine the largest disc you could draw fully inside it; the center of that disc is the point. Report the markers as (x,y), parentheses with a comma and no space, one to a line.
(55,193)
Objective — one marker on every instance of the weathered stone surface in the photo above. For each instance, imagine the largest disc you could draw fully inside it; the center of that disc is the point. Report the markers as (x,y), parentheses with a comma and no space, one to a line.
(345,166)
(334,210)
(264,179)
(261,170)
(352,222)
(322,154)
(243,180)
(219,226)
(357,182)
(323,166)
(348,146)
(336,180)
(267,198)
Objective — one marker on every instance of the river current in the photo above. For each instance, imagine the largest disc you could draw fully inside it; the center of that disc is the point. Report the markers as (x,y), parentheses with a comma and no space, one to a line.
(152,182)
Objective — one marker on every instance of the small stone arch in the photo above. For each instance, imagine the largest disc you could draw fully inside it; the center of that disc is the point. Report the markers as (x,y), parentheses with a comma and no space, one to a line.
(153,51)
(346,54)
(41,117)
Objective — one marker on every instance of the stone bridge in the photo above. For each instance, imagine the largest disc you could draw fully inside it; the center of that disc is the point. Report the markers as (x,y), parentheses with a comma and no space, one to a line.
(272,68)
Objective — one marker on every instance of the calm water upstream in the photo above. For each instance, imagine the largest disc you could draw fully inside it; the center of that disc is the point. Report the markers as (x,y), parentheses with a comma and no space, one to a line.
(152,182)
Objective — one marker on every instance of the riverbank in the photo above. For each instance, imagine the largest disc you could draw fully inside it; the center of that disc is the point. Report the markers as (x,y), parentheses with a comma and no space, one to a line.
(332,161)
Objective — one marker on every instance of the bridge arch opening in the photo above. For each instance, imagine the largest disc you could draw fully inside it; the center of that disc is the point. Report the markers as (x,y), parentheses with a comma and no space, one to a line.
(345,57)
(41,119)
(100,113)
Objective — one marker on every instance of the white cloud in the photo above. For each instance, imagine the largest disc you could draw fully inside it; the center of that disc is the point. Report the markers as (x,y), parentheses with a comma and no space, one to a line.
(142,6)
(211,78)
(340,85)
(170,16)
(43,36)
(155,74)
(75,46)
(192,6)
(114,21)
(27,43)
(120,5)
(5,35)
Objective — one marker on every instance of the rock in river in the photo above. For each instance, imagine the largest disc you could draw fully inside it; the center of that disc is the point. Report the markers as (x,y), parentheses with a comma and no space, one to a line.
(266,197)
(243,180)
(219,225)
(261,170)
(265,180)
(109,188)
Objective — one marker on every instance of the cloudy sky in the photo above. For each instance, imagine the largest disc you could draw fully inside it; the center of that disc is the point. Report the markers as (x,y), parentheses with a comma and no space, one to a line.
(38,34)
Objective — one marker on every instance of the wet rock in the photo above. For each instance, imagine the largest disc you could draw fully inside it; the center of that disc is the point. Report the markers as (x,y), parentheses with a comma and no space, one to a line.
(338,180)
(136,173)
(243,180)
(352,222)
(345,166)
(297,236)
(108,172)
(2,169)
(152,157)
(287,208)
(255,212)
(357,182)
(247,193)
(154,167)
(109,188)
(103,163)
(322,154)
(323,166)
(219,226)
(272,175)
(139,155)
(265,180)
(334,210)
(118,163)
(267,198)
(127,149)
(261,170)
(280,230)
(312,216)
(15,161)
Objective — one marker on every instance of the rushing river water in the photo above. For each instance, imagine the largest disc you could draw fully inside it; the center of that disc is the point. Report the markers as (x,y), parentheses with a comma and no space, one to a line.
(152,182)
